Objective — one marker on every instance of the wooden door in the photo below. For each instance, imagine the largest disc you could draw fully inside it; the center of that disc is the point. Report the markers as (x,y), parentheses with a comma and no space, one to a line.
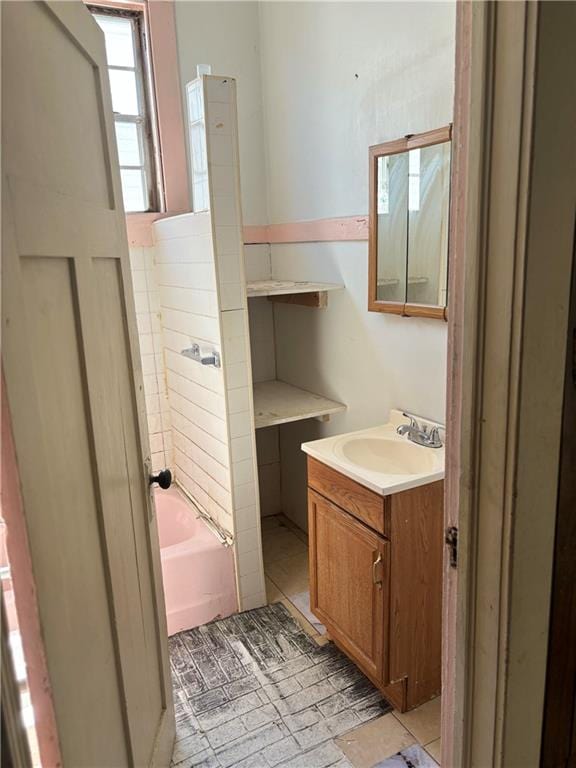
(559,722)
(349,584)
(69,351)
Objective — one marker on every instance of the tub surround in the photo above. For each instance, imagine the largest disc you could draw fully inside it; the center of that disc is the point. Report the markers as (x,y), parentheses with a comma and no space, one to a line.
(203,298)
(356,455)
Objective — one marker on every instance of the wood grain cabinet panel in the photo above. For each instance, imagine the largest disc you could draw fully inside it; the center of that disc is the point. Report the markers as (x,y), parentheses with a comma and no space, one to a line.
(349,566)
(350,495)
(417,526)
(380,598)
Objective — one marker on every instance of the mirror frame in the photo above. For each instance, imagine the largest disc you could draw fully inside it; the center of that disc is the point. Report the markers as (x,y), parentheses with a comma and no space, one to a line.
(411,141)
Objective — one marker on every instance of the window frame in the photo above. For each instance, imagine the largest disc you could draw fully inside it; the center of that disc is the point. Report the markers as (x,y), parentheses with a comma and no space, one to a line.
(148,117)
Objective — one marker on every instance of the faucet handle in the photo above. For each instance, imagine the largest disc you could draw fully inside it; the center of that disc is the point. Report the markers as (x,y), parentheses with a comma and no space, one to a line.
(413,423)
(434,437)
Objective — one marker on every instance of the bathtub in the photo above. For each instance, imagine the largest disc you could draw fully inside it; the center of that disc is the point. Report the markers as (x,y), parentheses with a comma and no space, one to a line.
(197,569)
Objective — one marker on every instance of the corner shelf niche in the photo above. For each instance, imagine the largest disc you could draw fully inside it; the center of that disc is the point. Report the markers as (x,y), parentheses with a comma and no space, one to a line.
(293,292)
(276,402)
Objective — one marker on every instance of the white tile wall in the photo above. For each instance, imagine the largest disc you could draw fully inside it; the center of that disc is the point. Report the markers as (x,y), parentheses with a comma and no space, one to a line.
(224,183)
(145,284)
(192,288)
(189,303)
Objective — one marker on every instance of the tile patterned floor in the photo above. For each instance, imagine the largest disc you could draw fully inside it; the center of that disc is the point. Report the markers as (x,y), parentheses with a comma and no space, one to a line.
(223,716)
(285,550)
(286,566)
(255,691)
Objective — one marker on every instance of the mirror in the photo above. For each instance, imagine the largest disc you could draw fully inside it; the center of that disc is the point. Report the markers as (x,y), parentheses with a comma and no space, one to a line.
(408,238)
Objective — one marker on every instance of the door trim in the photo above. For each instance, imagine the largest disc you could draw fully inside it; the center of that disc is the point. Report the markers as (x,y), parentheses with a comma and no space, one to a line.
(511,240)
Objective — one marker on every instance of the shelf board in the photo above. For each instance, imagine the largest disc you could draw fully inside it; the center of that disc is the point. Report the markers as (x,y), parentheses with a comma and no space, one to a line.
(276,402)
(292,292)
(383,282)
(284,287)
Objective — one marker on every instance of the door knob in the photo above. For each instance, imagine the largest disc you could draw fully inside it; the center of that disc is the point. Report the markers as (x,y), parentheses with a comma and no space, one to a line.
(163,478)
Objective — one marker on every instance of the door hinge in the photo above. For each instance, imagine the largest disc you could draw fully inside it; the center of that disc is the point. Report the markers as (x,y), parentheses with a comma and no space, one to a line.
(451,538)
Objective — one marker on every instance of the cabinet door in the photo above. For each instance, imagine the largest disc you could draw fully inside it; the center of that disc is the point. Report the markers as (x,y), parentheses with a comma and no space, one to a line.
(349,584)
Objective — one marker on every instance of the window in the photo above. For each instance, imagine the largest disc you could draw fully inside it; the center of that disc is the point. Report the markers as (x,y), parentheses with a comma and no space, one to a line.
(130,86)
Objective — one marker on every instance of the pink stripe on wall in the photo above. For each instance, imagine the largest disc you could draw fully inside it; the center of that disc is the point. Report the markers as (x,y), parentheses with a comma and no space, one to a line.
(319,230)
(139,226)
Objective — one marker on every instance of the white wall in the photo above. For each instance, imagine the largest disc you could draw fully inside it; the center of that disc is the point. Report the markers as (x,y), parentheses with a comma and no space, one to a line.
(338,77)
(226,36)
(318,83)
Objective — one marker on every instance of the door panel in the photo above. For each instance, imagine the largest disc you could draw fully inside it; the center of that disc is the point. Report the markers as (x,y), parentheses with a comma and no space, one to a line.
(346,558)
(69,352)
(56,468)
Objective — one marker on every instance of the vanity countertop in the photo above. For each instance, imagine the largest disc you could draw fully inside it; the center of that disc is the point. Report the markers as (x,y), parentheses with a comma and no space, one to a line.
(379,458)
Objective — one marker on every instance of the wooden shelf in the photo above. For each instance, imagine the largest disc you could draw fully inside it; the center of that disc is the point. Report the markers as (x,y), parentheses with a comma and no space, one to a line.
(383,282)
(276,402)
(292,292)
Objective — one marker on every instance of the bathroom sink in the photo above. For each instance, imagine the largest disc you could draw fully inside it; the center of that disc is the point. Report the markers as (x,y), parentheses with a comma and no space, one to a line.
(389,456)
(379,458)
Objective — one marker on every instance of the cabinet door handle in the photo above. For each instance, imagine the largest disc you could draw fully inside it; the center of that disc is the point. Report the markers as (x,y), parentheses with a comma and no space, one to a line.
(375,564)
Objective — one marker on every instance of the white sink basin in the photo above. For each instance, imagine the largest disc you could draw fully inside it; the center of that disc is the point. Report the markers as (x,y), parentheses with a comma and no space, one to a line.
(389,456)
(379,458)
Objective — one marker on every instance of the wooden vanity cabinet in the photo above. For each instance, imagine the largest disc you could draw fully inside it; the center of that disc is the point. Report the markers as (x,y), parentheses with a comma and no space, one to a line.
(376,579)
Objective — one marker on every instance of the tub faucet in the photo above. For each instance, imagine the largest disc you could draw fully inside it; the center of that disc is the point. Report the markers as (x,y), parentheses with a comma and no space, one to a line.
(195,353)
(421,435)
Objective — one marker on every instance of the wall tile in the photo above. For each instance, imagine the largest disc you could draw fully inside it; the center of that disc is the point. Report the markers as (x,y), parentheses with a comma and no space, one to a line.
(252,583)
(186,225)
(193,249)
(248,562)
(248,544)
(221,150)
(222,181)
(245,518)
(228,239)
(232,296)
(217,89)
(225,210)
(241,448)
(253,601)
(243,472)
(239,400)
(219,118)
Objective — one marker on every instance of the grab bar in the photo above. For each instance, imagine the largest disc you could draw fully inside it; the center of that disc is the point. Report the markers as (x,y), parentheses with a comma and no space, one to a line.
(226,539)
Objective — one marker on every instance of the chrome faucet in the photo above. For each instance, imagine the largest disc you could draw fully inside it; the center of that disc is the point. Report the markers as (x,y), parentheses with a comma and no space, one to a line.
(421,435)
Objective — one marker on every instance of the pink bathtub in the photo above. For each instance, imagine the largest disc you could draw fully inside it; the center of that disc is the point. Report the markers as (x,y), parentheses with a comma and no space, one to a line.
(197,569)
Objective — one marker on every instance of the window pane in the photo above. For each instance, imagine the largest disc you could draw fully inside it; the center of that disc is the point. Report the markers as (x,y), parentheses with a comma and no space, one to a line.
(198,146)
(118,38)
(133,190)
(128,144)
(124,92)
